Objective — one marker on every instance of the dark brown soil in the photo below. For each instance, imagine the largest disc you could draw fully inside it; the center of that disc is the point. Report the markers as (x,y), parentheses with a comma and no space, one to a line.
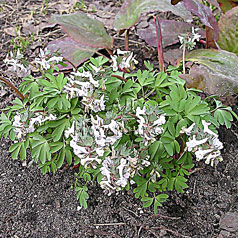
(33,205)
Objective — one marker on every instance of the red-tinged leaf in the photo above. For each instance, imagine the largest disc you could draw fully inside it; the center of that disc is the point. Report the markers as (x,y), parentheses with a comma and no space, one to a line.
(227,5)
(216,74)
(71,50)
(204,13)
(83,29)
(213,2)
(131,11)
(228,35)
(170,31)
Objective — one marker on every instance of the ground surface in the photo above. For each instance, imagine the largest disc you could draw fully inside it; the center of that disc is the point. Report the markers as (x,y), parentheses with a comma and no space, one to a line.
(36,206)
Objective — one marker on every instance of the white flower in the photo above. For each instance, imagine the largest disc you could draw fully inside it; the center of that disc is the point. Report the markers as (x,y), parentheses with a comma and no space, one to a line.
(114,127)
(160,121)
(17,121)
(106,172)
(125,63)
(79,151)
(33,121)
(55,59)
(95,68)
(98,104)
(122,182)
(121,167)
(88,75)
(187,130)
(193,143)
(49,118)
(200,154)
(70,130)
(217,143)
(99,151)
(213,157)
(105,184)
(114,63)
(122,52)
(15,63)
(206,129)
(196,36)
(86,161)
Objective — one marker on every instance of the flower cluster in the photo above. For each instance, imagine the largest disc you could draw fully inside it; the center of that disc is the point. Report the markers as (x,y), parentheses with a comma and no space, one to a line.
(189,40)
(119,167)
(91,138)
(23,125)
(46,59)
(23,69)
(16,63)
(83,85)
(150,122)
(204,143)
(123,61)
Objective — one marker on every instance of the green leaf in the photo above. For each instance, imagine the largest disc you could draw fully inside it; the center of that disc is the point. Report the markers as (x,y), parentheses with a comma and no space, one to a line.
(23,152)
(68,155)
(141,188)
(180,184)
(40,148)
(147,201)
(158,201)
(223,117)
(16,151)
(55,146)
(226,5)
(61,157)
(58,132)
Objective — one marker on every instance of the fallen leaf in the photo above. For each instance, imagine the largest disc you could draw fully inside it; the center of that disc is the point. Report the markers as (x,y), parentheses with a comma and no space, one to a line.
(85,30)
(217,72)
(170,31)
(228,35)
(10,31)
(71,50)
(131,11)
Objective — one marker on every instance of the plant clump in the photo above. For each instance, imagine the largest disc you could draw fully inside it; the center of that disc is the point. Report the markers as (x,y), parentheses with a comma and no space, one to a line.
(123,129)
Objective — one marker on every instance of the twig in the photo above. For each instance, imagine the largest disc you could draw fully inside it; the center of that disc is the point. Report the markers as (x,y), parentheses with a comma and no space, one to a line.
(195,170)
(166,217)
(103,233)
(169,230)
(110,224)
(13,87)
